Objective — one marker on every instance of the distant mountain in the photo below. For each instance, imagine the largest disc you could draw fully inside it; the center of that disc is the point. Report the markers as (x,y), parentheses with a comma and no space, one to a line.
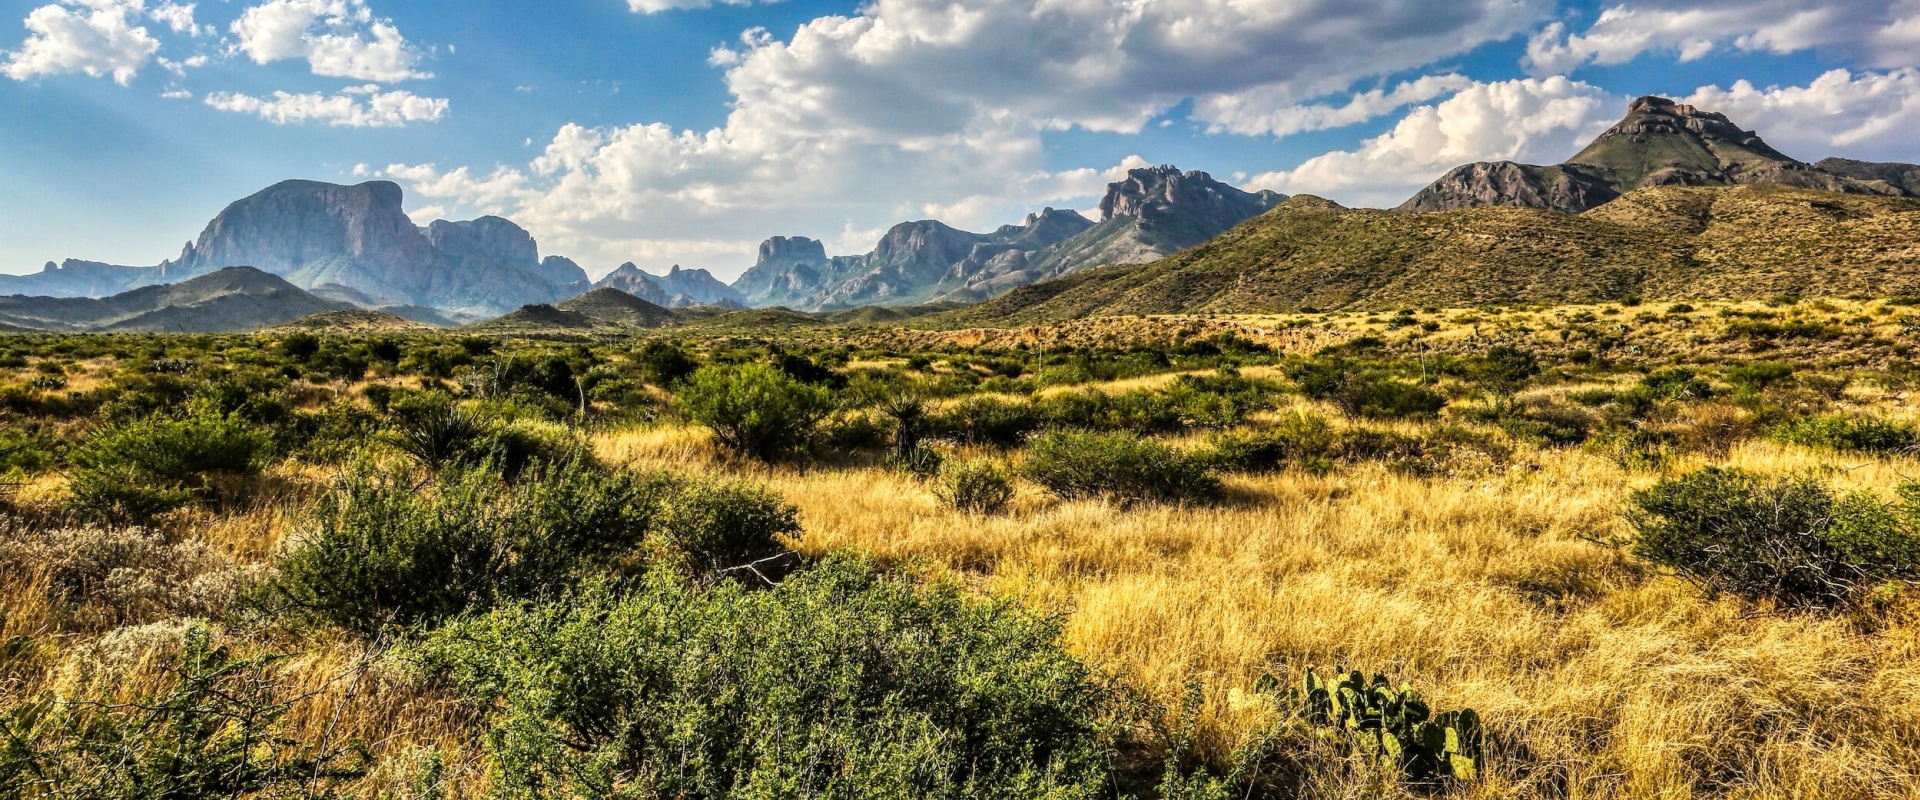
(232,299)
(1659,143)
(1152,213)
(679,288)
(604,309)
(345,240)
(1740,242)
(76,278)
(357,320)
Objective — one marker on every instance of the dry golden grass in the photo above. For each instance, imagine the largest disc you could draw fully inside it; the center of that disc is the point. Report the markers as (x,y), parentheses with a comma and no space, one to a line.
(1602,680)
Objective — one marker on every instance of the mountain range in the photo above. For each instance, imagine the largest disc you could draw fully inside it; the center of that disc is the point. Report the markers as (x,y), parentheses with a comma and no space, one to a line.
(1672,201)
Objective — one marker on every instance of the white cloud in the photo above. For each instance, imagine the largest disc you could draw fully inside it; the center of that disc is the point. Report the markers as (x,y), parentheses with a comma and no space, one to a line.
(360,107)
(179,18)
(917,108)
(657,6)
(1879,33)
(1869,115)
(96,37)
(1529,120)
(176,94)
(1250,114)
(338,38)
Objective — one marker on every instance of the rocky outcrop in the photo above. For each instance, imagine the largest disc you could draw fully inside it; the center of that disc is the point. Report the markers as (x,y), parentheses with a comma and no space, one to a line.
(1505,183)
(1147,215)
(349,241)
(679,288)
(1659,143)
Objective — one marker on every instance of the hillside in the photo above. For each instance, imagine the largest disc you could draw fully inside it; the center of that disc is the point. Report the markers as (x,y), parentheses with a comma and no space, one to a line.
(1696,242)
(232,299)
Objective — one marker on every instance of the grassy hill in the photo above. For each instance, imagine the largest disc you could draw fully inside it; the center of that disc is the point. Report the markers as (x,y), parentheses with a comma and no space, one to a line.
(1739,242)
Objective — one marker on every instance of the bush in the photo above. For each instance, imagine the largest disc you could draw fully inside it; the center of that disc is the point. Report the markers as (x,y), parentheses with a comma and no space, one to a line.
(712,524)
(155,463)
(753,408)
(838,683)
(1120,467)
(1862,434)
(975,487)
(1361,392)
(1301,440)
(434,430)
(1789,539)
(381,549)
(665,364)
(986,421)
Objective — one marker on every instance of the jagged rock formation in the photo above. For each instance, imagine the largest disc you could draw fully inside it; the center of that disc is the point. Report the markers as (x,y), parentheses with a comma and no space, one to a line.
(679,288)
(349,241)
(233,299)
(1737,242)
(1151,213)
(1659,143)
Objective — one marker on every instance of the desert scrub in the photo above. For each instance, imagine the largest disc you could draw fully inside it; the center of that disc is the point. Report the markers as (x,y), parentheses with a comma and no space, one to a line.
(1788,539)
(1123,468)
(755,409)
(106,576)
(837,683)
(1849,433)
(978,486)
(382,549)
(708,526)
(151,464)
(1301,440)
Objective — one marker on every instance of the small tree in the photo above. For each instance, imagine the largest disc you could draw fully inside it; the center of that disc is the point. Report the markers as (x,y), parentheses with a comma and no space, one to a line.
(753,408)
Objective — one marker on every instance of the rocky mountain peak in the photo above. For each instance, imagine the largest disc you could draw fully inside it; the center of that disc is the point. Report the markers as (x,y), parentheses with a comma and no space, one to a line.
(491,238)
(1148,191)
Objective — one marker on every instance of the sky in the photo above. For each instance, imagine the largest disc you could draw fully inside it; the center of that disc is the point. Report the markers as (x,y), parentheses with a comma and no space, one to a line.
(686,132)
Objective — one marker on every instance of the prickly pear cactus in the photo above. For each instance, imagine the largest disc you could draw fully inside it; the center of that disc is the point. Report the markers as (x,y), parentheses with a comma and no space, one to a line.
(1395,726)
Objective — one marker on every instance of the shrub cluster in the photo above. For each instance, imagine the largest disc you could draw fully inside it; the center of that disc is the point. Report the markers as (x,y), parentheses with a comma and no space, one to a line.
(144,466)
(1789,539)
(1123,468)
(837,683)
(755,409)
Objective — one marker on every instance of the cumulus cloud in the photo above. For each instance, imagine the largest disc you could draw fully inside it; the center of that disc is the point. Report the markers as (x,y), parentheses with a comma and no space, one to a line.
(1869,115)
(96,37)
(179,18)
(1878,33)
(657,6)
(936,108)
(338,38)
(1528,120)
(359,107)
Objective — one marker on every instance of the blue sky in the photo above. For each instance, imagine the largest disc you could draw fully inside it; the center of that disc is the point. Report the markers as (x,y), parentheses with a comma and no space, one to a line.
(685,131)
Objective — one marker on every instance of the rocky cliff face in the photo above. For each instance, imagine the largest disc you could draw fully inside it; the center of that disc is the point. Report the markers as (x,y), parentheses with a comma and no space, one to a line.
(679,288)
(1659,143)
(1149,214)
(351,241)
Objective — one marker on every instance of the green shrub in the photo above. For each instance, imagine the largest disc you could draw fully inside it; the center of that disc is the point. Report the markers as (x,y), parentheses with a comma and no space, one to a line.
(975,487)
(380,549)
(1302,440)
(1120,467)
(709,525)
(1362,392)
(514,446)
(434,430)
(1844,432)
(1790,539)
(155,463)
(753,408)
(982,420)
(838,683)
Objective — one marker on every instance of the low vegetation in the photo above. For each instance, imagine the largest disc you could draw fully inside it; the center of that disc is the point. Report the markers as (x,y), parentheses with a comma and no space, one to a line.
(1601,551)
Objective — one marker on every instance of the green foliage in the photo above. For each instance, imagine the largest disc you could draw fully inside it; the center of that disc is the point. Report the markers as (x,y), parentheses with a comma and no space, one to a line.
(1759,376)
(1123,467)
(148,465)
(838,683)
(1397,727)
(665,364)
(433,429)
(216,730)
(986,420)
(1502,372)
(381,549)
(709,525)
(977,487)
(1359,391)
(755,409)
(1790,539)
(1863,434)
(1301,440)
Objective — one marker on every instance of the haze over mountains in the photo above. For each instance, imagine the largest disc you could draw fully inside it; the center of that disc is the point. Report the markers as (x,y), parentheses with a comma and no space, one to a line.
(1672,201)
